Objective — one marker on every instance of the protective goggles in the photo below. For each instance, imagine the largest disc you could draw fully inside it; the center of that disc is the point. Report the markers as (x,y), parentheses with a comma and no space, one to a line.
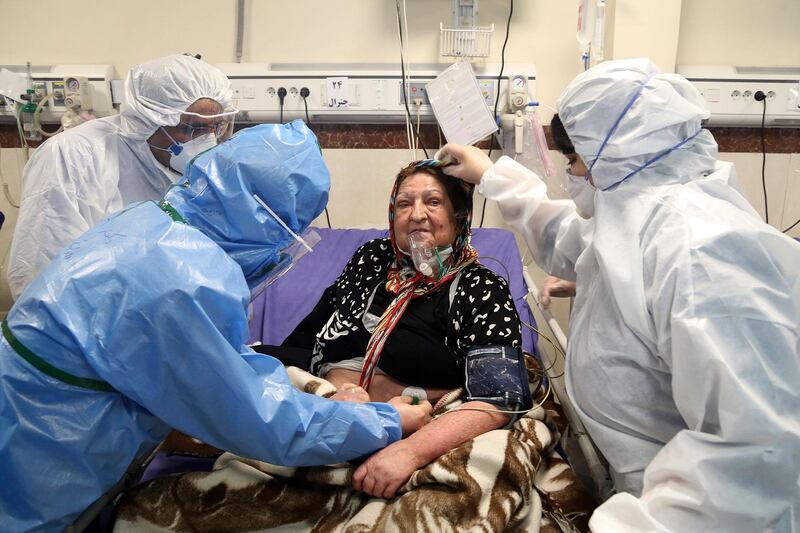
(193,125)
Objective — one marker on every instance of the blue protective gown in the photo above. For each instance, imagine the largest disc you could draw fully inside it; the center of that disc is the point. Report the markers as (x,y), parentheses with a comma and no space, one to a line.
(157,310)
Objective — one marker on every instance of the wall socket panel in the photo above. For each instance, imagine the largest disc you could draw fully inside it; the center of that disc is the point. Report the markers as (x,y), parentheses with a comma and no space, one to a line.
(415,90)
(729,92)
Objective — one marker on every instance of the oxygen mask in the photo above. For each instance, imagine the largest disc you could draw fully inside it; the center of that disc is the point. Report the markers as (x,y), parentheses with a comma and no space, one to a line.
(428,258)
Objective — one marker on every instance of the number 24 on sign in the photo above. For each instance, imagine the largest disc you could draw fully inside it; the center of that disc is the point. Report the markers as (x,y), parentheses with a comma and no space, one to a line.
(337,93)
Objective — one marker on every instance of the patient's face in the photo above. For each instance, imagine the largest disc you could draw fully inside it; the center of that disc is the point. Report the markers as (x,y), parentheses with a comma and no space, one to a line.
(422,207)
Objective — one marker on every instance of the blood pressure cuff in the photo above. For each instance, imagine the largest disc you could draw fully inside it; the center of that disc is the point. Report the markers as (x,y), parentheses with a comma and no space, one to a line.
(497,375)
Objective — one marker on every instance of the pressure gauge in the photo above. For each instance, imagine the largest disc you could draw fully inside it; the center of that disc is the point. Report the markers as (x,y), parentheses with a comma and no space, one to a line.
(77,92)
(73,84)
(519,82)
(517,92)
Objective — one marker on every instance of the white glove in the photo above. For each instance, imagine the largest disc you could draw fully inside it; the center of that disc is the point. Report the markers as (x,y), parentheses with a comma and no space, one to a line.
(469,162)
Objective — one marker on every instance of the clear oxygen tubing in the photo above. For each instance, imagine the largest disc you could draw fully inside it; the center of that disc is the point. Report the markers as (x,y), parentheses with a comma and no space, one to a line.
(540,140)
(37,117)
(7,192)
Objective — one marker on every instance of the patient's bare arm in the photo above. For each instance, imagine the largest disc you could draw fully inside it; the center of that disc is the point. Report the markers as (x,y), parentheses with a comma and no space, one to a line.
(387,470)
(339,376)
(382,389)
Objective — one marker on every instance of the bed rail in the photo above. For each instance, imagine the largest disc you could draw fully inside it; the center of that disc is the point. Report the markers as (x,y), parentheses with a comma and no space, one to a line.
(597,470)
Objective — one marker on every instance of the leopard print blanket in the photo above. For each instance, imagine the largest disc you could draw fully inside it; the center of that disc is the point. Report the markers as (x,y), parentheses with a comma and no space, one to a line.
(503,480)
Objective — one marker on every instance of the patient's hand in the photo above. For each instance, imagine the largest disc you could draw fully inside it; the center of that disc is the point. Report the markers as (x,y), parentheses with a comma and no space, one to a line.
(350,392)
(387,470)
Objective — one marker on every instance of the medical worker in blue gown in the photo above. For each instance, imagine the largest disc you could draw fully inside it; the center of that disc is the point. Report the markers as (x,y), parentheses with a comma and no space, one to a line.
(139,326)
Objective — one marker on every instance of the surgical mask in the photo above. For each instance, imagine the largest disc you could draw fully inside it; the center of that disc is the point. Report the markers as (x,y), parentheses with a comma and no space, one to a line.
(582,193)
(180,154)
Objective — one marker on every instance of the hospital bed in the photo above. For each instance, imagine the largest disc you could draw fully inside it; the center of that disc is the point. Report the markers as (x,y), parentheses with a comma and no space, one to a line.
(291,298)
(276,312)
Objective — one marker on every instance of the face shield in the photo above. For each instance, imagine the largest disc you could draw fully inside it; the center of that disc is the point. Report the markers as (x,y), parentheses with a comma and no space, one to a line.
(288,256)
(282,165)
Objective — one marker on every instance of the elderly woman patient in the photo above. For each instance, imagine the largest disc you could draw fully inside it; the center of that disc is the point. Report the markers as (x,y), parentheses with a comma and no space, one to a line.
(395,331)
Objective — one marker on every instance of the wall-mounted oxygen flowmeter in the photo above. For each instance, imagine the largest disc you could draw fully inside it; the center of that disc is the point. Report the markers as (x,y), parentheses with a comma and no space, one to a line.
(77,92)
(517,92)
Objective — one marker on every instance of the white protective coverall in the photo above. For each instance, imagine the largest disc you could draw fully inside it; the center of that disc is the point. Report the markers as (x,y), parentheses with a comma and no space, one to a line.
(683,356)
(79,177)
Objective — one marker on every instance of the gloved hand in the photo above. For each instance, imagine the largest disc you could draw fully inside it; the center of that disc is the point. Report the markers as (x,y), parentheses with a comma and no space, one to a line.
(555,287)
(412,417)
(350,392)
(469,162)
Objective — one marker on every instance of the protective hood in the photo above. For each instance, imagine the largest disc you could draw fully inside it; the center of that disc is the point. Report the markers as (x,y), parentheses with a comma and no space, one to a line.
(157,92)
(627,119)
(282,165)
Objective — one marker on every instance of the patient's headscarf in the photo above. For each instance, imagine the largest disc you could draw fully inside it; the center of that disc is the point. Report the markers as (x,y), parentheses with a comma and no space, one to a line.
(404,281)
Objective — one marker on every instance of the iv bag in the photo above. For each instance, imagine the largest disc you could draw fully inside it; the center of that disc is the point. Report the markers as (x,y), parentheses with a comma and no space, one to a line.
(585,27)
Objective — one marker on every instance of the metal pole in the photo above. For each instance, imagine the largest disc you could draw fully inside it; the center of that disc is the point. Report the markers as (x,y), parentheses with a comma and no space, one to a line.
(239,29)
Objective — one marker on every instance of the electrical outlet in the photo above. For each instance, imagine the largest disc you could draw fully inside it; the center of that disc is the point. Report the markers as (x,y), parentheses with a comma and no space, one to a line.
(415,90)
